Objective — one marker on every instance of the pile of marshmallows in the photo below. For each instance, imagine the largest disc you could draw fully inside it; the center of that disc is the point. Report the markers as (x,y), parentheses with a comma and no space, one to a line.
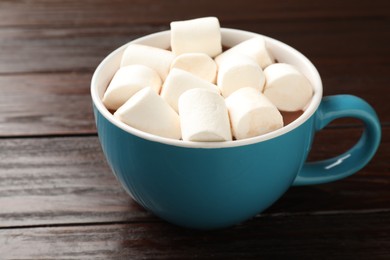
(197,93)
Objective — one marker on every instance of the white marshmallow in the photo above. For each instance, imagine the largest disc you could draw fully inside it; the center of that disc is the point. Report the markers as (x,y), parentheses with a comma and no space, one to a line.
(252,114)
(196,35)
(155,58)
(238,71)
(148,112)
(198,64)
(254,48)
(127,81)
(204,116)
(286,87)
(179,81)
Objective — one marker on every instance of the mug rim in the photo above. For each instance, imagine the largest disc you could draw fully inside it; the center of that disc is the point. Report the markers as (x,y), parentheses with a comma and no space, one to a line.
(308,111)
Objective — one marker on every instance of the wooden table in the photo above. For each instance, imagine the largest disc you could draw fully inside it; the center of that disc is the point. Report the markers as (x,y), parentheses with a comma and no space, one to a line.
(59,199)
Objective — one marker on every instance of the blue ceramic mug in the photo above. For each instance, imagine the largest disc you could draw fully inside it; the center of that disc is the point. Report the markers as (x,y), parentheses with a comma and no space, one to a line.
(214,185)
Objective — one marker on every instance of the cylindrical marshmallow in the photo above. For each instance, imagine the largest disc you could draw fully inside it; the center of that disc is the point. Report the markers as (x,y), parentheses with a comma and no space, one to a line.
(148,112)
(286,87)
(199,64)
(179,81)
(252,114)
(254,48)
(238,71)
(196,35)
(155,58)
(204,116)
(127,81)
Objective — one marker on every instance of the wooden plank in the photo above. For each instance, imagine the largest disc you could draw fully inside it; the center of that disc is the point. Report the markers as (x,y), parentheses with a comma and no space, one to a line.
(26,50)
(348,236)
(348,47)
(59,180)
(100,12)
(41,104)
(66,180)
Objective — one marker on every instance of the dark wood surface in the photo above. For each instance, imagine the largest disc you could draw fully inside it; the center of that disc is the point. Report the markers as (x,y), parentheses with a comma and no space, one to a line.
(59,199)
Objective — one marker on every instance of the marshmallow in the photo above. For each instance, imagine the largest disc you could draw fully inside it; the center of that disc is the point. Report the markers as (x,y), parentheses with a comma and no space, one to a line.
(127,81)
(254,48)
(179,81)
(158,59)
(198,64)
(286,87)
(196,35)
(204,116)
(252,114)
(238,71)
(148,112)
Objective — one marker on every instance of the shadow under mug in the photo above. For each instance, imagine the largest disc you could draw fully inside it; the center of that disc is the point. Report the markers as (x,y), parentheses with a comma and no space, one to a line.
(216,185)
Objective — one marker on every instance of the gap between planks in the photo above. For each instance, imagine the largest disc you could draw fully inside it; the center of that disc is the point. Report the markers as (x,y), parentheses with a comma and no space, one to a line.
(163,24)
(50,72)
(158,220)
(59,135)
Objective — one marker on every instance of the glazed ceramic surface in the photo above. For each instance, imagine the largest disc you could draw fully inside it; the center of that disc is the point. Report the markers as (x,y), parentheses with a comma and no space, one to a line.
(215,185)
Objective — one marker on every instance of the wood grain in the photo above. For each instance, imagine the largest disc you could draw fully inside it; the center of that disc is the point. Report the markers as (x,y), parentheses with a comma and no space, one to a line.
(58,197)
(39,104)
(347,236)
(25,50)
(66,180)
(99,12)
(59,180)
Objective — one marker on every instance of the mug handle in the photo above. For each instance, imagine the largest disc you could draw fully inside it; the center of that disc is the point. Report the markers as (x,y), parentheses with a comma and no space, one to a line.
(348,163)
